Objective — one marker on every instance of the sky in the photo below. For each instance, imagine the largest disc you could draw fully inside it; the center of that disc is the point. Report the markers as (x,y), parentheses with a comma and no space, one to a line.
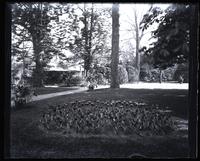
(126,22)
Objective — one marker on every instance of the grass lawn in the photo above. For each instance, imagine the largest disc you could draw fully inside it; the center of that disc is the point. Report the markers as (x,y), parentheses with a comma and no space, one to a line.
(47,90)
(29,141)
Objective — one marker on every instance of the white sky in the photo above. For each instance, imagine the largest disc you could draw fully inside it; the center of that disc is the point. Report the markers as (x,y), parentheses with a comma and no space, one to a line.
(126,18)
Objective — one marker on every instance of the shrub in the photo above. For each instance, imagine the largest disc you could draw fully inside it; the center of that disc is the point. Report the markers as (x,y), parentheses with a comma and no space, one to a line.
(54,77)
(132,73)
(101,79)
(76,80)
(99,74)
(71,81)
(63,78)
(155,75)
(183,71)
(23,94)
(122,74)
(145,74)
(168,74)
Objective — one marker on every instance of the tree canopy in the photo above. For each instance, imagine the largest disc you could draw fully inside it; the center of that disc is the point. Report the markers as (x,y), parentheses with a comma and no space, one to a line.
(172,35)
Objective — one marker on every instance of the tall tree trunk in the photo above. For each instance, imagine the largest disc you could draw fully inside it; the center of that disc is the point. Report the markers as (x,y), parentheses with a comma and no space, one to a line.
(24,65)
(137,41)
(90,38)
(91,28)
(38,71)
(115,46)
(86,34)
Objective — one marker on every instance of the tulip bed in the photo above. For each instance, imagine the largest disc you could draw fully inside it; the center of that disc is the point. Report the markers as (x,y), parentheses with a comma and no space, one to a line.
(116,117)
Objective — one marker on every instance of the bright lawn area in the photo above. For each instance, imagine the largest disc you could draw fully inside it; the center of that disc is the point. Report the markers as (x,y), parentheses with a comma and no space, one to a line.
(27,140)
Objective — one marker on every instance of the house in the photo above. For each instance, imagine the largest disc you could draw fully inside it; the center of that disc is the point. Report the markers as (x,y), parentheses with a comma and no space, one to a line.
(58,70)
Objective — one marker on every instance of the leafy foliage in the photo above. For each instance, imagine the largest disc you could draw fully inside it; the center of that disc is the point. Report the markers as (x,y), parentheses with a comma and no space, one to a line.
(43,26)
(132,73)
(32,18)
(99,73)
(107,117)
(153,75)
(122,74)
(182,70)
(91,43)
(62,78)
(172,35)
(23,94)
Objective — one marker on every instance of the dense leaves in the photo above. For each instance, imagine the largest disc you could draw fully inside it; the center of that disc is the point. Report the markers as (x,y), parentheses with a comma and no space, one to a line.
(107,117)
(181,71)
(48,28)
(172,35)
(132,73)
(23,94)
(92,40)
(122,74)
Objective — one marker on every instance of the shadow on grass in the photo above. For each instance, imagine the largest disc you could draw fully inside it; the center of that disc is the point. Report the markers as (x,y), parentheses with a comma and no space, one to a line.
(175,100)
(28,141)
(47,90)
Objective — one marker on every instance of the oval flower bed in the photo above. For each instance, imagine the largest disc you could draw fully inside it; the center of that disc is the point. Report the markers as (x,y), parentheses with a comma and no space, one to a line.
(107,117)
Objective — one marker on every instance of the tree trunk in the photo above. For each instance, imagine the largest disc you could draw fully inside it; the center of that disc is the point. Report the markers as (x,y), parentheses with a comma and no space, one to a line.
(115,46)
(137,47)
(38,71)
(86,36)
(91,30)
(90,38)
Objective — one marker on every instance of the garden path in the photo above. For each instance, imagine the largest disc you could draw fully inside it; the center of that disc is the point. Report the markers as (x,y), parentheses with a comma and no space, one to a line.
(50,95)
(139,85)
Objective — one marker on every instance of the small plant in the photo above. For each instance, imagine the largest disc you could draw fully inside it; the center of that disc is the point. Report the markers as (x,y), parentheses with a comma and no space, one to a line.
(92,86)
(181,79)
(23,94)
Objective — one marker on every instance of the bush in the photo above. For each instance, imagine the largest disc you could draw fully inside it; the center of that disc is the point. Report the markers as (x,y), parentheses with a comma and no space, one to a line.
(83,83)
(168,74)
(62,78)
(145,75)
(122,74)
(54,77)
(71,81)
(155,75)
(100,74)
(183,71)
(132,74)
(101,79)
(23,94)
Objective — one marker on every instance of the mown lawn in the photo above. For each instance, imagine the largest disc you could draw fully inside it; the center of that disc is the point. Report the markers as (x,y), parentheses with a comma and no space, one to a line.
(29,141)
(47,90)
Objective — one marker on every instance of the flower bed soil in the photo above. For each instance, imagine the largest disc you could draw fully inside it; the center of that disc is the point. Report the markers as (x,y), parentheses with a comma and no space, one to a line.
(114,117)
